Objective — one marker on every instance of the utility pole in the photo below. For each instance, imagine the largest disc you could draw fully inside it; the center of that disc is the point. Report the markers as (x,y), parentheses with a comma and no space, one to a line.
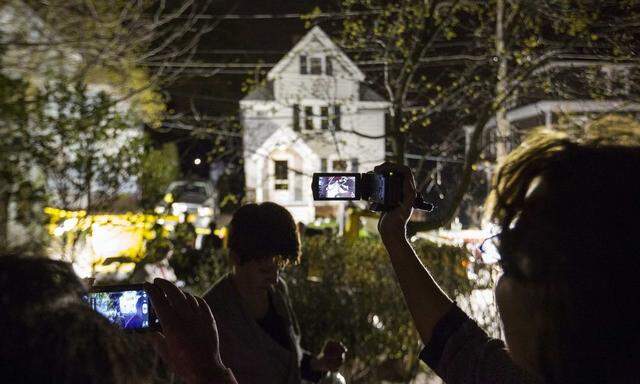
(502,123)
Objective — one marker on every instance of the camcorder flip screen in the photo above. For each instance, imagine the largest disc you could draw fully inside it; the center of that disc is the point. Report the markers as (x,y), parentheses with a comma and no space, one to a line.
(336,186)
(127,306)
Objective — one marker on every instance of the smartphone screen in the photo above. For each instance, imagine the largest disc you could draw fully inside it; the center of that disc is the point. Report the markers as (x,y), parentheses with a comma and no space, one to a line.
(337,186)
(127,306)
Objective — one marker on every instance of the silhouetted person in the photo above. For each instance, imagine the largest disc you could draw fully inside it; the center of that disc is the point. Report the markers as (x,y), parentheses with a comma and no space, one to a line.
(569,217)
(49,335)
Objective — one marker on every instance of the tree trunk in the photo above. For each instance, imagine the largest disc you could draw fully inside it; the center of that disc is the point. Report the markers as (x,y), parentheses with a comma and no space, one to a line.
(5,198)
(397,136)
(87,185)
(443,215)
(502,124)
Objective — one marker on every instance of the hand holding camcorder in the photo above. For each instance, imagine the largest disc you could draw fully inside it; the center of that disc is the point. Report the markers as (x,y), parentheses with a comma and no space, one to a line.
(383,190)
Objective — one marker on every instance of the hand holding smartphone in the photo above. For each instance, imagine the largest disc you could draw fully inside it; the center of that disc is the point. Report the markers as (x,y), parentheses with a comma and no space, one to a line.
(127,306)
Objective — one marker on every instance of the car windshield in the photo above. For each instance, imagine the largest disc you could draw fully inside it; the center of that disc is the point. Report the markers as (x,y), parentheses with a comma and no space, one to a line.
(188,191)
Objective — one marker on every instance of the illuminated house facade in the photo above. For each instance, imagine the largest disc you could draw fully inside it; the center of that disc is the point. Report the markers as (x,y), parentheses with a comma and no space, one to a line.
(313,114)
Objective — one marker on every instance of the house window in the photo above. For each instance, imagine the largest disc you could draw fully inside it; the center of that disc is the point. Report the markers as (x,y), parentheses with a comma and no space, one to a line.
(339,165)
(282,174)
(315,64)
(303,65)
(308,117)
(328,65)
(324,117)
(336,118)
(323,165)
(296,117)
(355,164)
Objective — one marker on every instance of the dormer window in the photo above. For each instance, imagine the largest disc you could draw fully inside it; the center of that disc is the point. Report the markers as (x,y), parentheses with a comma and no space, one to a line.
(316,65)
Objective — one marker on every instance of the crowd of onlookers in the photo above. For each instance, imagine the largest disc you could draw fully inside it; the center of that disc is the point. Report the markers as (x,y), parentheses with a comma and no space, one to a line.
(569,250)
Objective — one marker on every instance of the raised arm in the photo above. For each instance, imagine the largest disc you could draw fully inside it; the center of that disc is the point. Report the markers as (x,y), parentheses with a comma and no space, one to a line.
(189,340)
(426,301)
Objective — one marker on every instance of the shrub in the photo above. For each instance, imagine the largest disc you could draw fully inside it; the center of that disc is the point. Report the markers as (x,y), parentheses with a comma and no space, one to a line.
(347,290)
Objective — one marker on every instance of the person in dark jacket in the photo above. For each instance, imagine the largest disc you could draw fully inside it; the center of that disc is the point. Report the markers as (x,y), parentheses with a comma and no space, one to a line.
(259,333)
(568,212)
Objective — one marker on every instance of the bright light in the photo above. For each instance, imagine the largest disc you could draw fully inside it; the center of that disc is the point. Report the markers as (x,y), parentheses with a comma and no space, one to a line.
(113,240)
(159,210)
(377,322)
(205,211)
(179,208)
(69,224)
(59,231)
(197,161)
(221,232)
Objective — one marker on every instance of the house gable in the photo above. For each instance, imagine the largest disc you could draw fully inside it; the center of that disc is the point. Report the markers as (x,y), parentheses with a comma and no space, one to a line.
(316,42)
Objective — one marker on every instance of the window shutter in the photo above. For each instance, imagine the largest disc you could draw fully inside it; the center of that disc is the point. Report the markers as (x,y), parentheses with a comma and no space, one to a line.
(329,65)
(303,64)
(323,165)
(296,117)
(355,164)
(336,118)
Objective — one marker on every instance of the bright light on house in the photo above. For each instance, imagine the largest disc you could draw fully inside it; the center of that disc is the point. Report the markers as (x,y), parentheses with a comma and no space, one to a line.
(197,161)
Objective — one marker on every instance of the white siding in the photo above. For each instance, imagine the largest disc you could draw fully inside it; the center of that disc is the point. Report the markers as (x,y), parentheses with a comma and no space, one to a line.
(269,135)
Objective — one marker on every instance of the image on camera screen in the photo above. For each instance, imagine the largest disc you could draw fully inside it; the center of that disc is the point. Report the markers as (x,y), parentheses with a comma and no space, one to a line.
(336,187)
(127,309)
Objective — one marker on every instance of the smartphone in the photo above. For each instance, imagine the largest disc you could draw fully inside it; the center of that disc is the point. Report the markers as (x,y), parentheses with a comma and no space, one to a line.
(336,186)
(127,306)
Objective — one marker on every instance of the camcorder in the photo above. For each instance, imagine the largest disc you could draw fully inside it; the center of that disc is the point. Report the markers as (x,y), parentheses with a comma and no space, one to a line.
(127,306)
(383,191)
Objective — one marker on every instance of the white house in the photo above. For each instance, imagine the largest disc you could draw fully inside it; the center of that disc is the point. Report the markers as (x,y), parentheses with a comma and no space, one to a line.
(314,114)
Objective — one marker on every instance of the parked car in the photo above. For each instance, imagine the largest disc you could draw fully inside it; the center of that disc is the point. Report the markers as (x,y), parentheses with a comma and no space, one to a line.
(195,201)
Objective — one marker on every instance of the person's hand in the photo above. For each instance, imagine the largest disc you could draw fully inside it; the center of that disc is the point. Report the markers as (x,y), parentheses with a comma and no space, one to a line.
(189,341)
(392,224)
(332,357)
(88,282)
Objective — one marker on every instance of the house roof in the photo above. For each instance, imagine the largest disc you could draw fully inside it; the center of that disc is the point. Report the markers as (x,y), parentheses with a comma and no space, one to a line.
(263,92)
(316,33)
(288,138)
(367,94)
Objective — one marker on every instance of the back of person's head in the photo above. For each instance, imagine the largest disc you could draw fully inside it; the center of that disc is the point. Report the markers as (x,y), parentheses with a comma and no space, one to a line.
(50,336)
(30,282)
(569,214)
(264,230)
